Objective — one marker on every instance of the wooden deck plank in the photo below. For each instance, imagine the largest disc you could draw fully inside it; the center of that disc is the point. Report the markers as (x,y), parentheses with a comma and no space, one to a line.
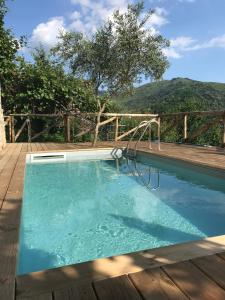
(7,172)
(193,282)
(118,265)
(33,147)
(6,156)
(24,147)
(9,223)
(52,146)
(44,147)
(213,266)
(117,288)
(45,296)
(156,285)
(79,292)
(29,147)
(5,150)
(221,255)
(38,147)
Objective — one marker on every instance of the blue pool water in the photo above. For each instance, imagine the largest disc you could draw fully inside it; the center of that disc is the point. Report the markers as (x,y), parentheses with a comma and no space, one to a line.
(80,211)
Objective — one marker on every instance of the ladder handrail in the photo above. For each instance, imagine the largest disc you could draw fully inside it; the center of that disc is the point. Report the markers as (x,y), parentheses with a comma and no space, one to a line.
(147,125)
(138,127)
(147,184)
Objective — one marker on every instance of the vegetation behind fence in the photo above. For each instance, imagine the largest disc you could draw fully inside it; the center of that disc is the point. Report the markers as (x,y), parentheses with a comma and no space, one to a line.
(186,127)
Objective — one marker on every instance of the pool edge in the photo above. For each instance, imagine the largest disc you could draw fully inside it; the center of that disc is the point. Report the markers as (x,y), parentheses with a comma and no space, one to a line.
(103,268)
(16,183)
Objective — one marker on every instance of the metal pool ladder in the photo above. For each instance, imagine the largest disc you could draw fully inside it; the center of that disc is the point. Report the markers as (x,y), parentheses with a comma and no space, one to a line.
(146,176)
(131,154)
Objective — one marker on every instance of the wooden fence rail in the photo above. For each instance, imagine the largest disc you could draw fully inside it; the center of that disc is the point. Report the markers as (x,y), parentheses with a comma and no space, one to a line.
(115,118)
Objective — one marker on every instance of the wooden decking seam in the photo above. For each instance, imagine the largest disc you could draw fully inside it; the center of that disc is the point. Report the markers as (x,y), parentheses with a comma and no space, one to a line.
(207,274)
(11,176)
(171,278)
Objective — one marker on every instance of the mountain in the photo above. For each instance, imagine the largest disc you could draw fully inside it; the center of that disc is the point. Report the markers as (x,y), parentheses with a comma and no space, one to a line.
(178,94)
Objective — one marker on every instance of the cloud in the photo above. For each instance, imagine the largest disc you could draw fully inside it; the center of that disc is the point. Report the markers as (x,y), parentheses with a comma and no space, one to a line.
(87,16)
(216,42)
(164,1)
(182,44)
(47,33)
(93,13)
(171,53)
(190,1)
(178,46)
(159,18)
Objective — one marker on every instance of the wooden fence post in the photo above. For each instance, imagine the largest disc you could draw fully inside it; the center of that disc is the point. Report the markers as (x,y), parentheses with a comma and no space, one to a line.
(223,131)
(185,128)
(67,128)
(12,127)
(29,130)
(116,129)
(159,133)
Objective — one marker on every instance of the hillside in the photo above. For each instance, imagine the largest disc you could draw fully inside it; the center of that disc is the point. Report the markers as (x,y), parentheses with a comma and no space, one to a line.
(178,94)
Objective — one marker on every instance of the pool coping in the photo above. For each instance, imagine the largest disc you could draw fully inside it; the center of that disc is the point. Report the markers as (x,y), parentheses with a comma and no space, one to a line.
(103,268)
(128,263)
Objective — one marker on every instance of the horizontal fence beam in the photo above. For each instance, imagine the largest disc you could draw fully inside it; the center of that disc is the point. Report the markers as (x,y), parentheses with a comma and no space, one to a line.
(107,121)
(131,115)
(115,117)
(86,114)
(195,113)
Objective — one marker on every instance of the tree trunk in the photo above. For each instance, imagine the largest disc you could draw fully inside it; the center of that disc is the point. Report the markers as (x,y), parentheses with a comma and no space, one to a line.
(101,110)
(2,126)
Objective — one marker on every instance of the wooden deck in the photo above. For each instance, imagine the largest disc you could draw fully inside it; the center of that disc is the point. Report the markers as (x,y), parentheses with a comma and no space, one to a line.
(193,270)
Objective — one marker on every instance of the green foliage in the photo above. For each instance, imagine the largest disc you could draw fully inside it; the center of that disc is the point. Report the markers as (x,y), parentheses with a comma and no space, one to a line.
(178,94)
(44,87)
(8,50)
(120,53)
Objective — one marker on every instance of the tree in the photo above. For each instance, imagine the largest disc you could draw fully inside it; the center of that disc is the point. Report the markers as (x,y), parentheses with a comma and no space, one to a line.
(43,87)
(8,50)
(119,54)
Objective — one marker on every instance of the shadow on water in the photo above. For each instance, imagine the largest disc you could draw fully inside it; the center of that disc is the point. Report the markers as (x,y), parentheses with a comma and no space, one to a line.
(197,207)
(159,231)
(30,286)
(32,260)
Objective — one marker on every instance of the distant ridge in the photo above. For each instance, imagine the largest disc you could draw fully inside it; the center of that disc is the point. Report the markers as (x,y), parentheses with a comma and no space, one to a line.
(178,94)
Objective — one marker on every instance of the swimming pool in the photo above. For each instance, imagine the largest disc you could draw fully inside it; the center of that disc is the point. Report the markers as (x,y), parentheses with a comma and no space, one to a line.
(92,205)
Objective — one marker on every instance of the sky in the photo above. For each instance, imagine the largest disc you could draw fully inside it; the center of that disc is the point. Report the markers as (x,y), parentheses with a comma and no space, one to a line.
(195,28)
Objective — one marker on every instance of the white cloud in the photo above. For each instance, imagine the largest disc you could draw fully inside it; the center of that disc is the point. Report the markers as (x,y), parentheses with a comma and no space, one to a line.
(178,46)
(47,33)
(86,18)
(182,44)
(190,1)
(93,13)
(171,53)
(158,18)
(217,42)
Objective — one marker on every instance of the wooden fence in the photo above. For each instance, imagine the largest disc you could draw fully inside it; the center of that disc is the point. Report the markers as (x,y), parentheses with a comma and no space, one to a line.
(175,119)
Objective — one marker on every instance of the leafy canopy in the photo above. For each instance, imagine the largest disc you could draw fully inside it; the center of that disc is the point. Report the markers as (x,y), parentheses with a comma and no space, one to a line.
(44,87)
(118,54)
(8,49)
